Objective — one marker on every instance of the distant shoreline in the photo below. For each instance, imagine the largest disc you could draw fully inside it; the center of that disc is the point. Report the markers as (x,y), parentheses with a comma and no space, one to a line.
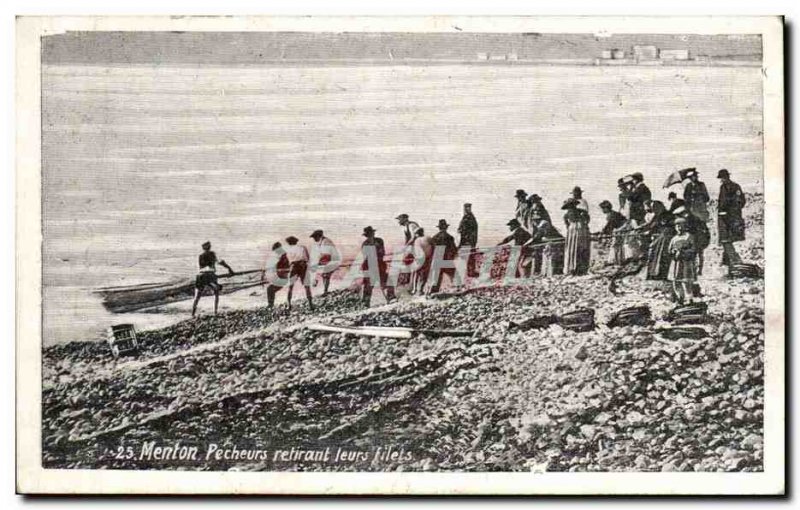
(587,62)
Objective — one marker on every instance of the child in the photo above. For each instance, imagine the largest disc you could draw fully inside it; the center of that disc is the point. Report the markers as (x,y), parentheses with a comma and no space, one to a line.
(683,269)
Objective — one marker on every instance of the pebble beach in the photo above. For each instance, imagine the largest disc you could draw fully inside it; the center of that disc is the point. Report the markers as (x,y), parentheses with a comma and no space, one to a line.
(502,399)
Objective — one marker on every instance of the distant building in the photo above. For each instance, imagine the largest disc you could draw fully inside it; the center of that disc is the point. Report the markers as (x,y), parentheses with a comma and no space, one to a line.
(613,54)
(674,54)
(497,57)
(483,56)
(513,56)
(641,53)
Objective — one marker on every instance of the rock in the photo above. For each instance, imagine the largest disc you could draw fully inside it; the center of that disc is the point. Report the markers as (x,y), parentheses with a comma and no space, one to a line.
(753,441)
(669,466)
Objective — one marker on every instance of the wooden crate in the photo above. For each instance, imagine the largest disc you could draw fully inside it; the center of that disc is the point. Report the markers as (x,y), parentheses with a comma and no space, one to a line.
(122,339)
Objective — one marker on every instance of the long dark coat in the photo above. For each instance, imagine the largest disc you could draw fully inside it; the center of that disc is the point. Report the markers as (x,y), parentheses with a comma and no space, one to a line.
(658,257)
(730,224)
(468,229)
(696,197)
(636,199)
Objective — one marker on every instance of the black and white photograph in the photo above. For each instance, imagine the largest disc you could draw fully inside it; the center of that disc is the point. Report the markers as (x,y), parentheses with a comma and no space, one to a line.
(431,247)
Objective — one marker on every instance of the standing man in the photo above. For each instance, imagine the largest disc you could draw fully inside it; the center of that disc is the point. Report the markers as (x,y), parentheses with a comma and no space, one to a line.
(375,243)
(298,269)
(730,223)
(207,276)
(443,238)
(423,248)
(324,251)
(636,197)
(695,195)
(522,205)
(410,236)
(468,237)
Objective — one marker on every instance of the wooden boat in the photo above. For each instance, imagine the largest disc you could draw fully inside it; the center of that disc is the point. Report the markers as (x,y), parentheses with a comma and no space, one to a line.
(130,298)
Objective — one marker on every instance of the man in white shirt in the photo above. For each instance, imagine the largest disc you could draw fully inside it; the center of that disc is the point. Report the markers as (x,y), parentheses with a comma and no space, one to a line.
(298,269)
(410,229)
(324,252)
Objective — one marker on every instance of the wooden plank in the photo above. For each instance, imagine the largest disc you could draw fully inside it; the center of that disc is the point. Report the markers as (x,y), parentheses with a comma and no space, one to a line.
(376,332)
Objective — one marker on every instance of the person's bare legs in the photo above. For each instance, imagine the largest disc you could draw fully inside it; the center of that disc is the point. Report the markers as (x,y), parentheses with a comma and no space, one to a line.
(289,295)
(326,283)
(216,299)
(308,296)
(198,293)
(700,261)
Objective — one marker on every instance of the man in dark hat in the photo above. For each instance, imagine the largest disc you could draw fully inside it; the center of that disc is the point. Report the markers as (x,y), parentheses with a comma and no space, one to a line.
(730,223)
(468,228)
(443,238)
(207,276)
(298,269)
(614,221)
(519,237)
(323,252)
(695,195)
(522,205)
(375,245)
(580,202)
(636,197)
(468,236)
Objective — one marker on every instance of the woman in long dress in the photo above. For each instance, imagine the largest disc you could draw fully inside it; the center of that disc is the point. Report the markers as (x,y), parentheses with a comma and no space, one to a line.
(661,230)
(546,241)
(577,249)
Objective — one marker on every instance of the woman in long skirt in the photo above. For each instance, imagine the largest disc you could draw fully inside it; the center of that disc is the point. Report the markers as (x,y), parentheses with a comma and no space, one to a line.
(683,269)
(577,248)
(661,231)
(548,241)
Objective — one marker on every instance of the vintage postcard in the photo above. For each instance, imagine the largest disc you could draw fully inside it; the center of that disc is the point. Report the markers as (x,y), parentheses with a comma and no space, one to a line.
(450,255)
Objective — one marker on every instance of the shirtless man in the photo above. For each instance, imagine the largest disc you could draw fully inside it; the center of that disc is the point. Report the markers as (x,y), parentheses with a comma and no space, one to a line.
(207,276)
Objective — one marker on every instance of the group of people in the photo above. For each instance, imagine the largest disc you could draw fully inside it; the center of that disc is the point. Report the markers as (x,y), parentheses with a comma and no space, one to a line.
(670,240)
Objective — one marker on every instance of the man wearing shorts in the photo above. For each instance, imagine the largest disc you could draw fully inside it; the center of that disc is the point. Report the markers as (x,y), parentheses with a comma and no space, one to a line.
(298,269)
(324,252)
(207,277)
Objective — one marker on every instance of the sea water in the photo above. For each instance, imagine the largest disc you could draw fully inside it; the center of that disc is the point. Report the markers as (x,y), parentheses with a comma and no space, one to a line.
(143,164)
